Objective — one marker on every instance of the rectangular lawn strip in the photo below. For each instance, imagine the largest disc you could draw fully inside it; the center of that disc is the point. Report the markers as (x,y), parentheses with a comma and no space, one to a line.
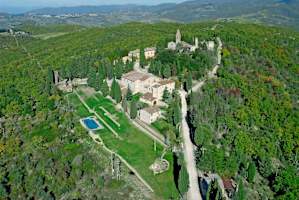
(80,109)
(138,150)
(136,147)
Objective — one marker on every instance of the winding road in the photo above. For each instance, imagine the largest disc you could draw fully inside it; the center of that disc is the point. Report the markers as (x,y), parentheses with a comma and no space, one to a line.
(193,192)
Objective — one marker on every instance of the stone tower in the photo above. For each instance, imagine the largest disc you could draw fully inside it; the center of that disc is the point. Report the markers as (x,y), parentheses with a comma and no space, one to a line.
(178,37)
(196,42)
(56,77)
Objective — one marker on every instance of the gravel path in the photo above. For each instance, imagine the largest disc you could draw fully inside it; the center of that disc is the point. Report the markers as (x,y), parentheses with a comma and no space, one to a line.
(193,193)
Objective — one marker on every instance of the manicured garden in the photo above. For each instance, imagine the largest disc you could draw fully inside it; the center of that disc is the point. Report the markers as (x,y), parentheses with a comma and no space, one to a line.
(136,147)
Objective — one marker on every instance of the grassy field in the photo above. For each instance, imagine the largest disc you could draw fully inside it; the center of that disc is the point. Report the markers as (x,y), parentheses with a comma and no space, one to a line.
(136,147)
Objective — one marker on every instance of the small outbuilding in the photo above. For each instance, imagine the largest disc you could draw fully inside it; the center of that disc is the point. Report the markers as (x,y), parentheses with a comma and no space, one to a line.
(149,114)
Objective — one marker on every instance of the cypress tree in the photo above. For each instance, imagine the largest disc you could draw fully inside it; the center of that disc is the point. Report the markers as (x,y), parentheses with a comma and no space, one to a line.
(124,105)
(241,193)
(112,91)
(166,95)
(133,110)
(49,82)
(102,71)
(166,71)
(97,83)
(129,94)
(92,77)
(183,182)
(189,82)
(118,71)
(105,88)
(117,92)
(251,172)
(177,113)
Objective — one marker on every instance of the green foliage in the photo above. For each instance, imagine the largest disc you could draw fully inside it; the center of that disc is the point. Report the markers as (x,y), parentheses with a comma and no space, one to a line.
(166,96)
(286,184)
(251,108)
(166,71)
(189,82)
(129,94)
(214,192)
(115,91)
(104,88)
(133,110)
(177,114)
(183,182)
(92,78)
(124,104)
(240,195)
(251,172)
(203,135)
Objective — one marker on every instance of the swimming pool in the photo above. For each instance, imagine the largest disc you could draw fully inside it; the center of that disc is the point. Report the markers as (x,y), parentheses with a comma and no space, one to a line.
(90,123)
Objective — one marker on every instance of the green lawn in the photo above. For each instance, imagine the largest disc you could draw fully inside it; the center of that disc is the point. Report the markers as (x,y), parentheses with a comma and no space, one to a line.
(136,147)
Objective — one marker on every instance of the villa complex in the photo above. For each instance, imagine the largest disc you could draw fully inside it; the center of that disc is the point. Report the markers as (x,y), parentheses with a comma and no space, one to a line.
(152,87)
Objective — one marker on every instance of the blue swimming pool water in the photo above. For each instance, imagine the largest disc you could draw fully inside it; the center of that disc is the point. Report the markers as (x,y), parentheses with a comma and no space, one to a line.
(90,123)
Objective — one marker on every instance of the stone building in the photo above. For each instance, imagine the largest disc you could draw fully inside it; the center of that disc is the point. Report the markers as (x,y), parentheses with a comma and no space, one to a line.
(150,86)
(210,45)
(134,54)
(182,45)
(149,52)
(138,81)
(149,114)
(148,99)
(160,86)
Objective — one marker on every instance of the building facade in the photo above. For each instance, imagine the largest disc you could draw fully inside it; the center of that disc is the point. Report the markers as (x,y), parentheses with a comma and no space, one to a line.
(150,86)
(150,114)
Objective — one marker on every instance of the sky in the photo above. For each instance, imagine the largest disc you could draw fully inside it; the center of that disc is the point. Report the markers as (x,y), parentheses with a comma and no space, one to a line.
(16,6)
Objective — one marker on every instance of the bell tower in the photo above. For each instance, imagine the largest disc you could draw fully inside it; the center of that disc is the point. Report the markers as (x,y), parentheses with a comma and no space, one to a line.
(178,37)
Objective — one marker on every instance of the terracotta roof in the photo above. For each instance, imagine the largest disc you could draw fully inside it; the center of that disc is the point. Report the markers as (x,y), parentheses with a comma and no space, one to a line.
(166,82)
(150,49)
(152,109)
(148,96)
(134,76)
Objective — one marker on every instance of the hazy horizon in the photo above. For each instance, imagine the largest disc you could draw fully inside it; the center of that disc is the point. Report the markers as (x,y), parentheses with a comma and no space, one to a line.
(15,6)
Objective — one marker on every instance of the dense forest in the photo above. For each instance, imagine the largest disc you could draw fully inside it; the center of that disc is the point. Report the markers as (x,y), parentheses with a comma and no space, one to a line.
(245,122)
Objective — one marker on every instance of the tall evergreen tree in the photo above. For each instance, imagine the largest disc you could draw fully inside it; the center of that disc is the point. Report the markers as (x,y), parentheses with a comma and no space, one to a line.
(133,110)
(129,94)
(92,76)
(124,105)
(115,92)
(118,93)
(240,195)
(102,71)
(166,95)
(183,182)
(177,113)
(166,71)
(49,82)
(189,82)
(251,172)
(104,88)
(118,70)
(97,83)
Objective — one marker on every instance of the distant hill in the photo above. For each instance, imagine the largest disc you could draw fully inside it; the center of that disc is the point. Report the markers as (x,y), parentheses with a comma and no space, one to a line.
(273,12)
